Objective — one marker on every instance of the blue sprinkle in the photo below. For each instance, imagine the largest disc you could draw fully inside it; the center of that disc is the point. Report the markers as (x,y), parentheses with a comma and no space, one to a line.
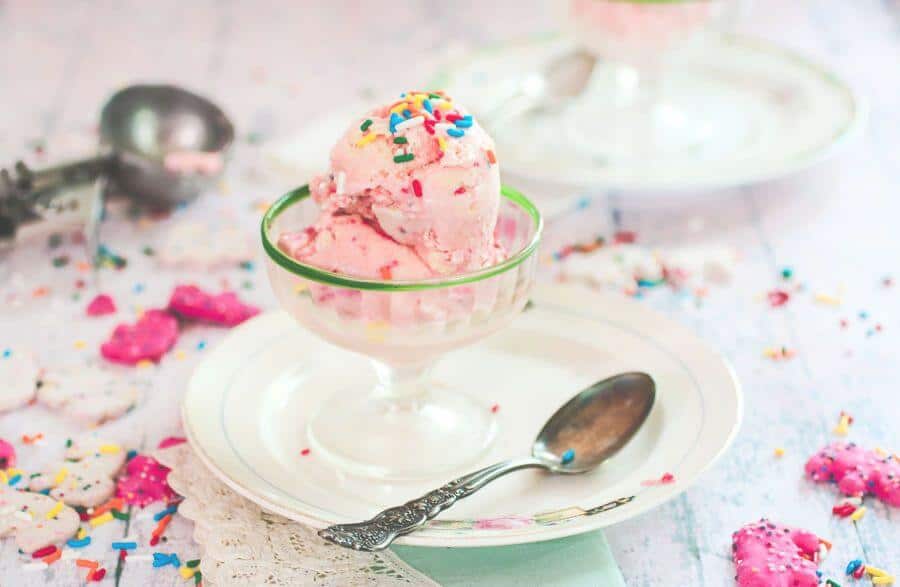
(14,479)
(568,456)
(395,120)
(402,94)
(201,345)
(181,205)
(79,543)
(138,288)
(45,491)
(426,104)
(464,122)
(7,353)
(169,510)
(124,545)
(247,265)
(852,566)
(582,203)
(175,562)
(455,132)
(863,315)
(407,113)
(131,454)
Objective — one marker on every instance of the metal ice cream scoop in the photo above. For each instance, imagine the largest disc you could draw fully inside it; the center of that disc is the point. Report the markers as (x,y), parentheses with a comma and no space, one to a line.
(590,428)
(159,144)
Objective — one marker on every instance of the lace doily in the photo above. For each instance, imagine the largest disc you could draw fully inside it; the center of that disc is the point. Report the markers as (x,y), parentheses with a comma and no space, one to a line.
(242,544)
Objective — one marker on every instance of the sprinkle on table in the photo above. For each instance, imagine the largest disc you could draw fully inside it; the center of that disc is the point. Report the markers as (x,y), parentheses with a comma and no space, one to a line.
(304,452)
(779,452)
(843,426)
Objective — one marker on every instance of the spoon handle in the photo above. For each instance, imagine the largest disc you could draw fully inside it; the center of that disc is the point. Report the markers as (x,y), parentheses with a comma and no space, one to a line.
(378,532)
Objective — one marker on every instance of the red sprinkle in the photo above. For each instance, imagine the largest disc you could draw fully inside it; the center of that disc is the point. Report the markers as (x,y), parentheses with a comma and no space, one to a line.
(778,297)
(123,554)
(858,573)
(460,190)
(453,116)
(42,552)
(844,323)
(491,157)
(304,452)
(843,510)
(417,188)
(495,408)
(429,126)
(625,237)
(97,575)
(385,272)
(154,540)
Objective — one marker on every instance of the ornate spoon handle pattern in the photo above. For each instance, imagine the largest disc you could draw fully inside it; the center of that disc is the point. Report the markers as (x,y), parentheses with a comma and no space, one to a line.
(378,532)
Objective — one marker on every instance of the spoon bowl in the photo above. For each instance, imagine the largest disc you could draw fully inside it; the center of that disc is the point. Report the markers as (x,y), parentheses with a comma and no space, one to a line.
(595,424)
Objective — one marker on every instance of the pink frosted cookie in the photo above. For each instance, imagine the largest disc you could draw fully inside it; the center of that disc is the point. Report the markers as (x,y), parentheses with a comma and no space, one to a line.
(149,338)
(144,482)
(7,455)
(225,309)
(857,471)
(770,555)
(101,305)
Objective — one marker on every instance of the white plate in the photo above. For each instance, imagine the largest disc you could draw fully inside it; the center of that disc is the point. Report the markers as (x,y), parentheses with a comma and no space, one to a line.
(247,404)
(771,112)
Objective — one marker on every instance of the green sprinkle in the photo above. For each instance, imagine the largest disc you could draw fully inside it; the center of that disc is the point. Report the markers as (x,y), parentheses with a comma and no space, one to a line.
(120,515)
(403,158)
(400,140)
(148,251)
(68,443)
(198,576)
(435,96)
(787,273)
(365,125)
(55,240)
(192,564)
(61,261)
(832,583)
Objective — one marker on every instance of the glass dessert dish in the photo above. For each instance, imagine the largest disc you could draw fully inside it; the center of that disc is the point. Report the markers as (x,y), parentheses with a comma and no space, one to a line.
(638,106)
(405,426)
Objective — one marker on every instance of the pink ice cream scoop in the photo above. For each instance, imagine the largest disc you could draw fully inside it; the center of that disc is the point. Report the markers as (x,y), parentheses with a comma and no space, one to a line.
(767,554)
(857,471)
(418,186)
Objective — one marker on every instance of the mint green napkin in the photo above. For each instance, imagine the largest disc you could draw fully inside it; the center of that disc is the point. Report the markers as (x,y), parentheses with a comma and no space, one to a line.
(581,561)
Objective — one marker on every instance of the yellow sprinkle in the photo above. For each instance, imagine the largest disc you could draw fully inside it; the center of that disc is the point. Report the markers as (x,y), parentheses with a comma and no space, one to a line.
(770,352)
(444,105)
(843,426)
(880,451)
(3,478)
(144,363)
(886,580)
(442,143)
(300,288)
(187,572)
(79,344)
(876,572)
(61,476)
(858,514)
(399,108)
(109,449)
(101,519)
(14,472)
(779,452)
(366,139)
(81,534)
(376,330)
(54,511)
(180,355)
(828,299)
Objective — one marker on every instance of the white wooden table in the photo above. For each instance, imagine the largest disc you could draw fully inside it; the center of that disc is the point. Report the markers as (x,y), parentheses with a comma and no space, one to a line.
(275,65)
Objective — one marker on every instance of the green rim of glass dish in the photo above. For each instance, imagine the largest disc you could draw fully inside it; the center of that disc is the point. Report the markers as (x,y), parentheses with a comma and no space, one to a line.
(327,277)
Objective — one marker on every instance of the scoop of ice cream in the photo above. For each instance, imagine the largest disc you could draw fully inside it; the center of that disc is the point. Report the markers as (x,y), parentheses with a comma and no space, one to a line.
(424,172)
(349,245)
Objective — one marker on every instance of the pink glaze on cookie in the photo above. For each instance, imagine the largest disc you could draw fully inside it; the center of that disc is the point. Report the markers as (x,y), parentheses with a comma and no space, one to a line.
(767,554)
(857,471)
(147,339)
(7,455)
(171,441)
(144,482)
(101,305)
(224,309)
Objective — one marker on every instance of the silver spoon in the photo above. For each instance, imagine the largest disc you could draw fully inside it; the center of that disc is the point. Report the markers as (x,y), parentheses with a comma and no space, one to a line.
(590,428)
(150,137)
(562,79)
